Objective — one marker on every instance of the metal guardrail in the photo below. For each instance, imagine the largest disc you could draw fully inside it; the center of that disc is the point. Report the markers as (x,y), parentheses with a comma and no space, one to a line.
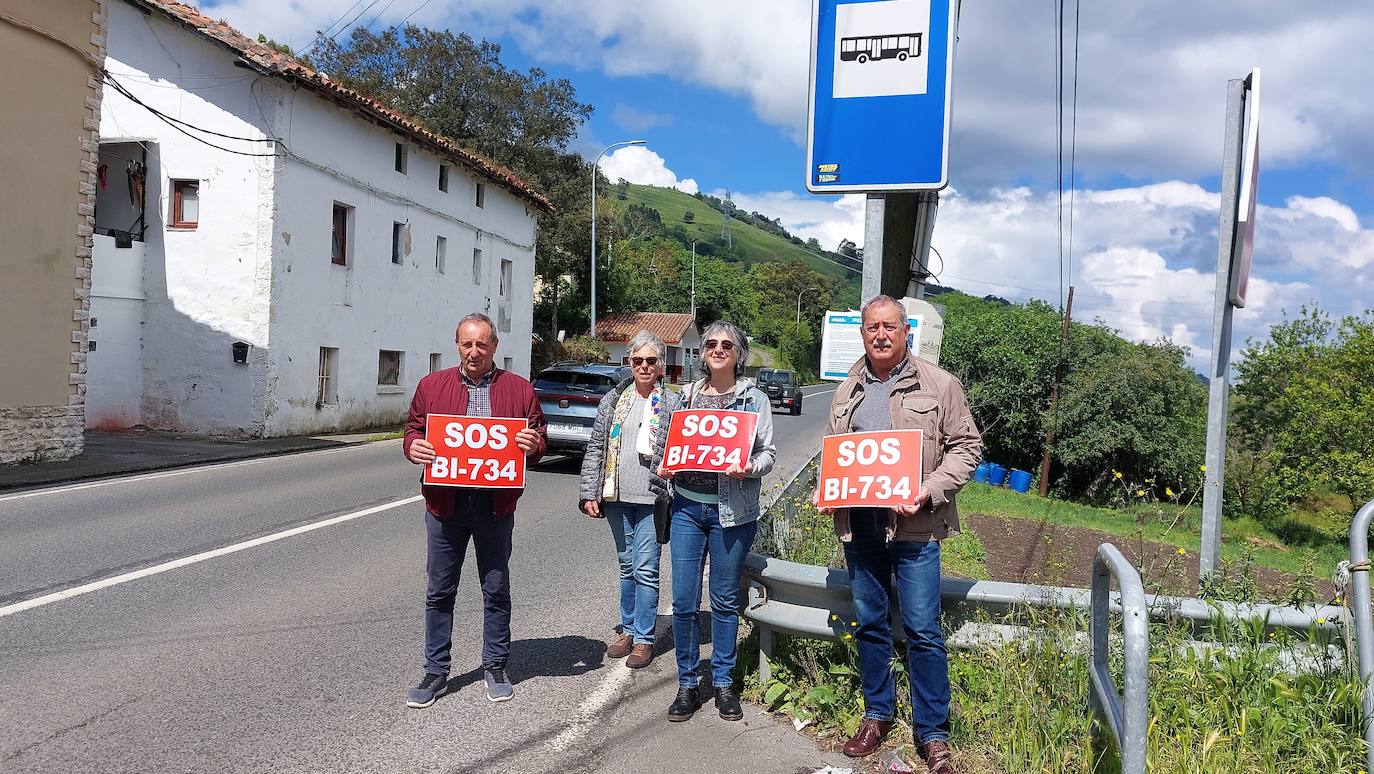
(1127,717)
(1364,619)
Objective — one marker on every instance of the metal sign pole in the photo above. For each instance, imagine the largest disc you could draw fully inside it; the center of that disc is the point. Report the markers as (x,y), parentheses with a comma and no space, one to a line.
(875,211)
(1218,397)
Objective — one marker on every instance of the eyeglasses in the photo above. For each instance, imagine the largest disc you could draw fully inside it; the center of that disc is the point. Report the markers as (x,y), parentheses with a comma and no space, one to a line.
(724,344)
(639,361)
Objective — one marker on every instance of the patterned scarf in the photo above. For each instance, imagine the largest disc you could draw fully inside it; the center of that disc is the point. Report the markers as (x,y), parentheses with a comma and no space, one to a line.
(648,425)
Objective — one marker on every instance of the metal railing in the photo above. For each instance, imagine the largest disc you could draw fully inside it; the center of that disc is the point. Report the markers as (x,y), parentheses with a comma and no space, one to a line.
(1364,619)
(1127,717)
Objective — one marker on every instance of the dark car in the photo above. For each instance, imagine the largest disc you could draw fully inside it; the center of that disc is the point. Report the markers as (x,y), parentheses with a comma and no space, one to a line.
(568,395)
(783,388)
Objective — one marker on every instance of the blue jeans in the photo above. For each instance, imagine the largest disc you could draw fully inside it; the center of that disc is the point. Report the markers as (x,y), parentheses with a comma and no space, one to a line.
(636,546)
(447,543)
(872,564)
(696,534)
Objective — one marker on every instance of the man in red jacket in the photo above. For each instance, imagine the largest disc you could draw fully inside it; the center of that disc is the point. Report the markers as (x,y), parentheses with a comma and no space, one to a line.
(453,516)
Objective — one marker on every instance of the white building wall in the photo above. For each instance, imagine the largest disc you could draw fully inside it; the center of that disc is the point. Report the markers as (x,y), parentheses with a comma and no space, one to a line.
(373,304)
(205,288)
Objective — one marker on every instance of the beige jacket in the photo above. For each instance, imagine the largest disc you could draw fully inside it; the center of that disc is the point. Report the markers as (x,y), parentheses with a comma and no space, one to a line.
(928,398)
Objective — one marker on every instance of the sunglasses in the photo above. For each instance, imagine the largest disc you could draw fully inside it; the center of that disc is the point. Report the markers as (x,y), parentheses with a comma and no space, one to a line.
(639,361)
(724,344)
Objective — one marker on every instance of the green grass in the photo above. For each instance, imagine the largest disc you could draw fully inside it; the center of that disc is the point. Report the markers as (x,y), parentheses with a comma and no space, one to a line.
(391,436)
(1238,535)
(750,244)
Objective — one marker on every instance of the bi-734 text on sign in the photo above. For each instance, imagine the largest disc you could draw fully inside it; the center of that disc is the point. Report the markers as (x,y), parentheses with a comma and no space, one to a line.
(710,440)
(475,452)
(876,469)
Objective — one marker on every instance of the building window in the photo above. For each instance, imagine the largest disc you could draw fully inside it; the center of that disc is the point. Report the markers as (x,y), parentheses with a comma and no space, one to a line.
(481,195)
(389,368)
(443,178)
(440,251)
(338,253)
(328,394)
(477,266)
(398,233)
(506,269)
(185,203)
(436,362)
(402,157)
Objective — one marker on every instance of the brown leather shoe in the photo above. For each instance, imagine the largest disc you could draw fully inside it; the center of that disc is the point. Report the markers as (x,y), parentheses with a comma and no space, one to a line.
(640,656)
(868,738)
(939,758)
(621,647)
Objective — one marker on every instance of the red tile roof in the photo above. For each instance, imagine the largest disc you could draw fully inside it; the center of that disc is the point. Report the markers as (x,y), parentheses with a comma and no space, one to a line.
(259,57)
(622,326)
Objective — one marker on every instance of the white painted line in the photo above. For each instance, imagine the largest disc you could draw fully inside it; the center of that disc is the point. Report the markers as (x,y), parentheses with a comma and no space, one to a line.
(588,711)
(181,472)
(156,569)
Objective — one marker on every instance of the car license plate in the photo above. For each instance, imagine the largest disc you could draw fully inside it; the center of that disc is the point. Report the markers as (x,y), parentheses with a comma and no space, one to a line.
(567,429)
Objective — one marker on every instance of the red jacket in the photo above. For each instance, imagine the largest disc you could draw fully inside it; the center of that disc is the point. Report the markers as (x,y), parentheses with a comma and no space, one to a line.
(443,392)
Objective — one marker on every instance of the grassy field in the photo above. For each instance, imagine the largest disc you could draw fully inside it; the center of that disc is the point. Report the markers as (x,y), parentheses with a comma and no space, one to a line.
(1238,535)
(750,244)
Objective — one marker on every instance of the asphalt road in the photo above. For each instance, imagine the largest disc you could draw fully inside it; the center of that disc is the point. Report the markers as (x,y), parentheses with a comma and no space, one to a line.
(294,654)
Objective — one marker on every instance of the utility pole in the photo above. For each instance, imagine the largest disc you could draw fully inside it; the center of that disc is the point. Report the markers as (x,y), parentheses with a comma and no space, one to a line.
(1054,398)
(694,282)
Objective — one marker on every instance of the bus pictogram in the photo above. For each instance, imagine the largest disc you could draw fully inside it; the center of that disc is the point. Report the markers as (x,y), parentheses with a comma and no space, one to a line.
(877,47)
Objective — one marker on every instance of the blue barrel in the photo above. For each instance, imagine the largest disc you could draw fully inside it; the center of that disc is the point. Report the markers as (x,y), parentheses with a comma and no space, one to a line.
(997,475)
(1020,481)
(980,473)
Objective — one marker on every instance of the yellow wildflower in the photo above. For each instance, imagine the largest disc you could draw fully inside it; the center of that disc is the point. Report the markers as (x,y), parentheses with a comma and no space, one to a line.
(834,618)
(1182,551)
(848,636)
(1321,621)
(1168,492)
(1202,468)
(853,623)
(1116,473)
(1140,493)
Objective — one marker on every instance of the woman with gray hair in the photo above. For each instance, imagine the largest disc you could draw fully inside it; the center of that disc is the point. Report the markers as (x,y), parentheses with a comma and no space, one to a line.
(715,515)
(620,486)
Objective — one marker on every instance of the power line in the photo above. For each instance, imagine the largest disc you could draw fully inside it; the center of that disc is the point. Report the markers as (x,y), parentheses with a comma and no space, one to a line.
(335,34)
(177,123)
(418,8)
(1073,135)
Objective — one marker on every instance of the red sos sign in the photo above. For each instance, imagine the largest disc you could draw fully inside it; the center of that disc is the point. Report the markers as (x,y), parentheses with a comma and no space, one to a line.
(877,469)
(710,440)
(475,452)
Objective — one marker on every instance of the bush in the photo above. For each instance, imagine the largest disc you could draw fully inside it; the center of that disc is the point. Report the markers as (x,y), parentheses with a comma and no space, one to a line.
(585,349)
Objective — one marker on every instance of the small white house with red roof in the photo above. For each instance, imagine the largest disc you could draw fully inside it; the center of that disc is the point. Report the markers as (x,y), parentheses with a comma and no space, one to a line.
(678,331)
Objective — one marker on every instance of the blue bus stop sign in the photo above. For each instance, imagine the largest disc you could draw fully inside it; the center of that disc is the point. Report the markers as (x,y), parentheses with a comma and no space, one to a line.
(879,114)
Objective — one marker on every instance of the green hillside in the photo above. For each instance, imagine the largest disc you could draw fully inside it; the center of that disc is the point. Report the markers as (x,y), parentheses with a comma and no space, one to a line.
(749,244)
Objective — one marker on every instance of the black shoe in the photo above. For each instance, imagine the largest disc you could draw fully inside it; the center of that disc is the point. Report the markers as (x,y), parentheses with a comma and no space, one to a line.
(728,703)
(686,704)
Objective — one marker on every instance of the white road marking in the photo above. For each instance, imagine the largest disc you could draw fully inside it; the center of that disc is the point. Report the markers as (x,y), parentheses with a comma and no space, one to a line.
(180,472)
(156,569)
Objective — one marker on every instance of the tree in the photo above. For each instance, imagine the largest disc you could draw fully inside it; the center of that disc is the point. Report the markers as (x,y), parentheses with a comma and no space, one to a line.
(689,217)
(1302,408)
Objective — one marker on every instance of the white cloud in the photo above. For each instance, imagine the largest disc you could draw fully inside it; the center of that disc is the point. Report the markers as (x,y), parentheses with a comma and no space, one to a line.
(1144,257)
(1151,88)
(636,120)
(637,164)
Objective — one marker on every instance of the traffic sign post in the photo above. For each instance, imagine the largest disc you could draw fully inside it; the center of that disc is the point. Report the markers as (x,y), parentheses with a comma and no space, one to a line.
(1235,241)
(881,77)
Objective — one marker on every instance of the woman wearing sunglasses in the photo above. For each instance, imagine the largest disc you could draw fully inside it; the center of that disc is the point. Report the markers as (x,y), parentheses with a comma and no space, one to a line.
(715,515)
(620,486)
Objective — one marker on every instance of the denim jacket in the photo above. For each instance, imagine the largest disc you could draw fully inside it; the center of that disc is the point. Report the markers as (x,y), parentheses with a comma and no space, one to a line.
(739,498)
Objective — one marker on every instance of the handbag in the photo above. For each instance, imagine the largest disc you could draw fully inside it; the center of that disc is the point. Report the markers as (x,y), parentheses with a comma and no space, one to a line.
(663,519)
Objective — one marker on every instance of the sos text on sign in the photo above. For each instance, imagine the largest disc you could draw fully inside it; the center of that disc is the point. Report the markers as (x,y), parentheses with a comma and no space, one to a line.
(874,469)
(710,440)
(475,452)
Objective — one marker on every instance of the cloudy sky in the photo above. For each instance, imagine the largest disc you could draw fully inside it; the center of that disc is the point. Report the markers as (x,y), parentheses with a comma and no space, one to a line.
(719,91)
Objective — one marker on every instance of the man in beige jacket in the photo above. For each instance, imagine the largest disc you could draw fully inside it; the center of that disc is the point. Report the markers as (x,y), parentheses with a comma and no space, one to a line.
(892,389)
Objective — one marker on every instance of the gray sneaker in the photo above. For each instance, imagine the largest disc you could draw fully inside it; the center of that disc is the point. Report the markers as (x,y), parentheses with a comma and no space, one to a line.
(429,689)
(498,683)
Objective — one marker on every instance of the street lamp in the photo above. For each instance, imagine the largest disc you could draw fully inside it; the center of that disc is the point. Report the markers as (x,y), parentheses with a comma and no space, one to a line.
(799,295)
(595,166)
